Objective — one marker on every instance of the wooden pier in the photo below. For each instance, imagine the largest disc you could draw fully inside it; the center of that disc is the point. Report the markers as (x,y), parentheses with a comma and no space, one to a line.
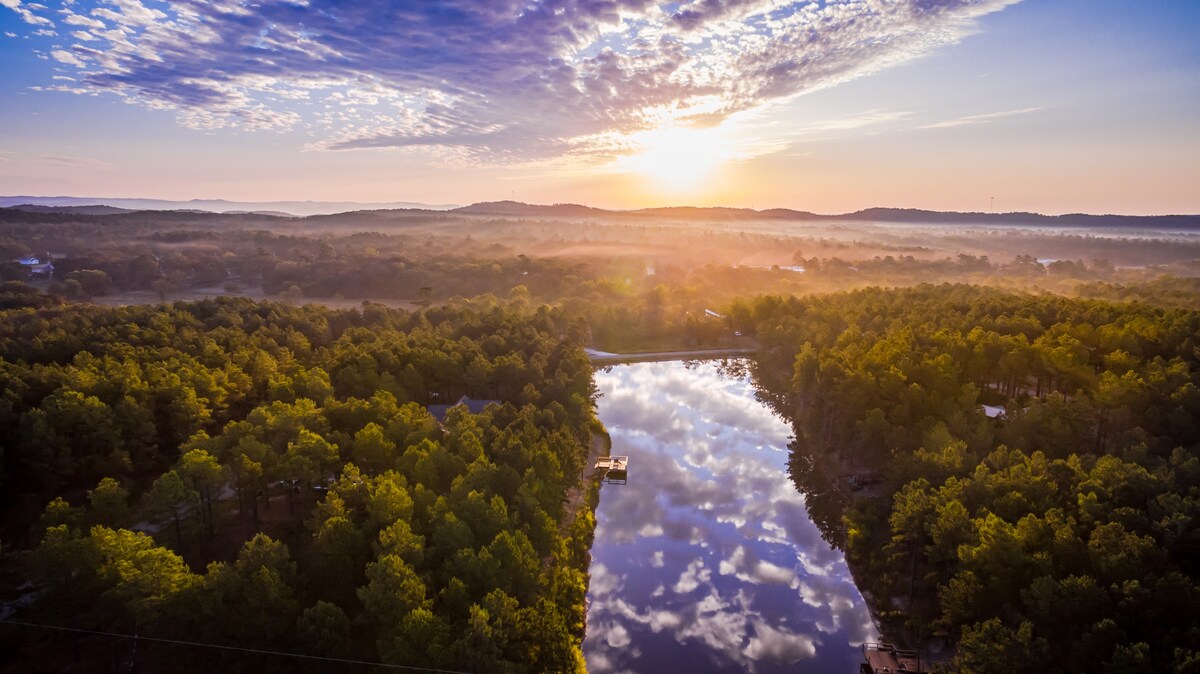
(616,469)
(885,658)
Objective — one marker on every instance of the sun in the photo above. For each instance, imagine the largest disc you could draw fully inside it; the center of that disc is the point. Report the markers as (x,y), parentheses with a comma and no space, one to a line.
(678,159)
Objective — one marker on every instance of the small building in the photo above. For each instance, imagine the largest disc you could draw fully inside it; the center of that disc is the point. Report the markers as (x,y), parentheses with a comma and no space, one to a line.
(472,405)
(993,412)
(885,658)
(36,267)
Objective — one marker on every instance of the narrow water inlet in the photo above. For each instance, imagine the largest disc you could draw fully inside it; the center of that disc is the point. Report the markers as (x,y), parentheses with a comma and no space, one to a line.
(706,560)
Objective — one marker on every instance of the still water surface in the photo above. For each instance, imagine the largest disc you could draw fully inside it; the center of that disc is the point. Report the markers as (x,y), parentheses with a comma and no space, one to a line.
(707,561)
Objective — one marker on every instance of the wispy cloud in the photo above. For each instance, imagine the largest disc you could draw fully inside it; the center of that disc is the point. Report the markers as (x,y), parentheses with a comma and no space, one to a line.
(489,80)
(76,162)
(26,12)
(64,56)
(979,119)
(870,118)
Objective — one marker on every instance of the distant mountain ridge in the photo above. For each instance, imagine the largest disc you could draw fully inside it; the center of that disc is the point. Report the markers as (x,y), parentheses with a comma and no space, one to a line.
(282,208)
(913,215)
(350,212)
(517,208)
(524,209)
(97,209)
(887,215)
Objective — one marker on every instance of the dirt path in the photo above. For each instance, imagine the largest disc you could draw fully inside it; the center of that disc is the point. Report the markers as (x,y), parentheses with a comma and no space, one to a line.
(578,491)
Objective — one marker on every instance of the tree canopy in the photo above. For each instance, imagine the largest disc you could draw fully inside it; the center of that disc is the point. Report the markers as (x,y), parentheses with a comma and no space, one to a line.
(367,529)
(1057,533)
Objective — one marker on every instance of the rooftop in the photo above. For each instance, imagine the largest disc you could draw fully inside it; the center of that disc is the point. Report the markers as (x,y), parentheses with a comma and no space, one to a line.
(474,406)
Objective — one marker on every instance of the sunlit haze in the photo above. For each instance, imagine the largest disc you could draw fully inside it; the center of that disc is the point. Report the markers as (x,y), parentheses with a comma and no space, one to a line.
(971,105)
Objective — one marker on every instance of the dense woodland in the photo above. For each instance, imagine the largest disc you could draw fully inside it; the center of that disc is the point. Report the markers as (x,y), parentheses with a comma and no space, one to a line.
(1060,536)
(267,476)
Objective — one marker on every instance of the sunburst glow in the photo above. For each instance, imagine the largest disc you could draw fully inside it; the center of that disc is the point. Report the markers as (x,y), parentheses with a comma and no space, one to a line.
(679,159)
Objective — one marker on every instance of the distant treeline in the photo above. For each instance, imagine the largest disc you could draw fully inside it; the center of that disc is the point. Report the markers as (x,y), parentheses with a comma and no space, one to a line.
(455,254)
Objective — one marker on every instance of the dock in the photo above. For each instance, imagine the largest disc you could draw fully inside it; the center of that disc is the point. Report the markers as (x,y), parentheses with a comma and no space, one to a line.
(615,469)
(885,658)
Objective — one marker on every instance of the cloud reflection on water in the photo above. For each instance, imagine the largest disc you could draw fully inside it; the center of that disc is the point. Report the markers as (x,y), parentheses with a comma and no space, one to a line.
(707,560)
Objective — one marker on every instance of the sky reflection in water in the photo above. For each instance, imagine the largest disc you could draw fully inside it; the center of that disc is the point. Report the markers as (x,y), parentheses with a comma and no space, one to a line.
(706,561)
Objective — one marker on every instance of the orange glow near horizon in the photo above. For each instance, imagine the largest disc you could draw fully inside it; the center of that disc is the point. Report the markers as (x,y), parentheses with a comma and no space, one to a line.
(679,161)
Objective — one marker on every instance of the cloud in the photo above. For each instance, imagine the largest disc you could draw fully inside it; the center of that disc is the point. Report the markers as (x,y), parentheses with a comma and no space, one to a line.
(617,636)
(26,12)
(853,122)
(77,162)
(501,80)
(756,571)
(979,119)
(67,57)
(734,575)
(602,582)
(779,645)
(693,577)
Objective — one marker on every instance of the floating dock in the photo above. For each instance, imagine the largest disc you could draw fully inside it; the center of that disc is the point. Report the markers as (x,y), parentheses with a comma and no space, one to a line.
(616,469)
(885,658)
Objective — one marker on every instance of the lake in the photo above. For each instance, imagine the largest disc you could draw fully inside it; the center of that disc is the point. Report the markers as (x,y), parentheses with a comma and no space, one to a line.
(707,560)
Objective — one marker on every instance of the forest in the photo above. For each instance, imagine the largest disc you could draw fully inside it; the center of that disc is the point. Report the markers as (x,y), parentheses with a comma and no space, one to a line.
(269,477)
(221,429)
(1017,475)
(643,281)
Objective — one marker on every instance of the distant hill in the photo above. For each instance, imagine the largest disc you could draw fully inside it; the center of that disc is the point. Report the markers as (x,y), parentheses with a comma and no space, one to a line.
(72,210)
(120,215)
(789,214)
(696,213)
(351,214)
(917,216)
(286,208)
(881,215)
(274,214)
(519,209)
(531,210)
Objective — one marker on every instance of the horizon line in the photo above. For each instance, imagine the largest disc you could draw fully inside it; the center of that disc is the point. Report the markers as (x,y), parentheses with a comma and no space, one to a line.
(449,207)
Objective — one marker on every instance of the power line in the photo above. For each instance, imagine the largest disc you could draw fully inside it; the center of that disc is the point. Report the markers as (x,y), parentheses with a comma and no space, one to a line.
(232,648)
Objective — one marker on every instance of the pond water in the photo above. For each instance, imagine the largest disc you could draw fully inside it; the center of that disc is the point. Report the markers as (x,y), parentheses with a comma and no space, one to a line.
(706,560)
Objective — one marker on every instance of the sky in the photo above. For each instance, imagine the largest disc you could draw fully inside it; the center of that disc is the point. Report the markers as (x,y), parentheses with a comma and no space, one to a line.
(1053,106)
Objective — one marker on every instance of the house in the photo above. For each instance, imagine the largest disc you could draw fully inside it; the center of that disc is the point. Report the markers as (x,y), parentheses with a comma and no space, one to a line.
(993,412)
(36,267)
(473,406)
